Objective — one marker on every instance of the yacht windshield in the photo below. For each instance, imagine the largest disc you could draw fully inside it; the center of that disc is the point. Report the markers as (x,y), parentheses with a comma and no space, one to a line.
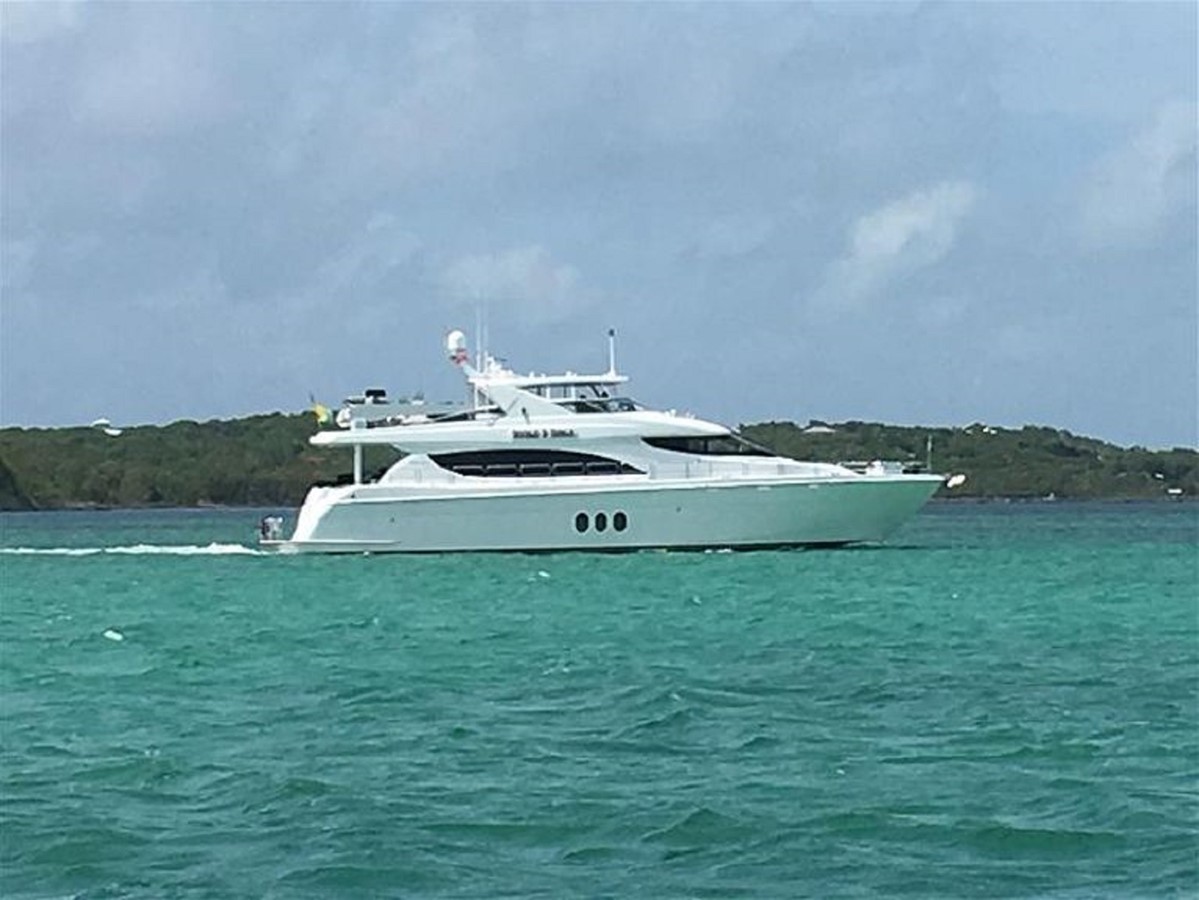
(595,398)
(724,445)
(602,405)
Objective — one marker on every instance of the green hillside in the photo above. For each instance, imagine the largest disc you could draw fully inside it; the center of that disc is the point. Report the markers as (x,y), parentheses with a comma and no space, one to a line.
(1029,462)
(256,461)
(267,460)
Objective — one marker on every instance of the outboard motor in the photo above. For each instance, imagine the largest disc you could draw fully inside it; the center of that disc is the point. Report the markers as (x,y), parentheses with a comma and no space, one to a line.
(270,528)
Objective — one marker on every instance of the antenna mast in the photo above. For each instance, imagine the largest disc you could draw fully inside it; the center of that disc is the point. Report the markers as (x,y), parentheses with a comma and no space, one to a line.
(611,351)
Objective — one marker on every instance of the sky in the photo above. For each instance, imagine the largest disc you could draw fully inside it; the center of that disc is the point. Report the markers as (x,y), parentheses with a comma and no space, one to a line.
(916,213)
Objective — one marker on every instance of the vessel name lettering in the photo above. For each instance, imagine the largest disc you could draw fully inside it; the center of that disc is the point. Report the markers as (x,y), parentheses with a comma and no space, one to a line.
(524,433)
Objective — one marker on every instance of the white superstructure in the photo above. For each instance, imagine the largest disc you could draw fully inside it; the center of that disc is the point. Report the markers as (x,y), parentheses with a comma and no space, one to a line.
(564,462)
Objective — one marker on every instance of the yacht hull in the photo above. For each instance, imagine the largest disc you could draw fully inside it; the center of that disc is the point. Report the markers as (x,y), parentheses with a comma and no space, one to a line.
(716,514)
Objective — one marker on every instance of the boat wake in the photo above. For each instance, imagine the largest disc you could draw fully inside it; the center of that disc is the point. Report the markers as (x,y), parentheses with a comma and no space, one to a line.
(213,549)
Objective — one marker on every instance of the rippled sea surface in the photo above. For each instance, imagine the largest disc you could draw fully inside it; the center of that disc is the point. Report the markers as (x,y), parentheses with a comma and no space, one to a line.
(1000,703)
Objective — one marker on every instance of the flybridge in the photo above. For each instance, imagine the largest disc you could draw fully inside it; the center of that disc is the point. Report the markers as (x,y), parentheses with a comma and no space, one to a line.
(490,373)
(490,383)
(553,386)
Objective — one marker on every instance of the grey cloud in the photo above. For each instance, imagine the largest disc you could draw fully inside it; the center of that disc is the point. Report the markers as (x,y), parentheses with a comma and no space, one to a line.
(1107,63)
(294,194)
(159,77)
(525,281)
(1135,190)
(902,236)
(730,236)
(380,248)
(16,264)
(31,23)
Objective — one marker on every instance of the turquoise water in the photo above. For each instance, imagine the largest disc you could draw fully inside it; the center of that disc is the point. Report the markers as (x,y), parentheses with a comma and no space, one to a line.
(1000,703)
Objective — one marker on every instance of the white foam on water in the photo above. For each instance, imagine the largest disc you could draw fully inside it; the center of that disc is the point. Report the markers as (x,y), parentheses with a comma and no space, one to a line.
(212,549)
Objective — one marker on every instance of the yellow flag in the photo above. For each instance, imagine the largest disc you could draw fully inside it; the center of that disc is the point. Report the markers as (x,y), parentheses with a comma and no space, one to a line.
(322,413)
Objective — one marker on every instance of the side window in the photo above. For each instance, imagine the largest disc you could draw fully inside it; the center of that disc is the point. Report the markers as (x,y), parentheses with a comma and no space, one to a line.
(600,521)
(530,462)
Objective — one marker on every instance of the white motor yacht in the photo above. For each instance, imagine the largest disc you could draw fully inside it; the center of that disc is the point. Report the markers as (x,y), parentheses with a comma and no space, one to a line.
(567,462)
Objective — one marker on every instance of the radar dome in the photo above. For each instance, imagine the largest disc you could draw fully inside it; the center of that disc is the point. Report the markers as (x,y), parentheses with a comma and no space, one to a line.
(455,345)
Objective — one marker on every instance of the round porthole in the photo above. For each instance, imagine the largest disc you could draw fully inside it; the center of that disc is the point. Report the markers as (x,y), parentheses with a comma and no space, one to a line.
(601,522)
(620,521)
(581,522)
